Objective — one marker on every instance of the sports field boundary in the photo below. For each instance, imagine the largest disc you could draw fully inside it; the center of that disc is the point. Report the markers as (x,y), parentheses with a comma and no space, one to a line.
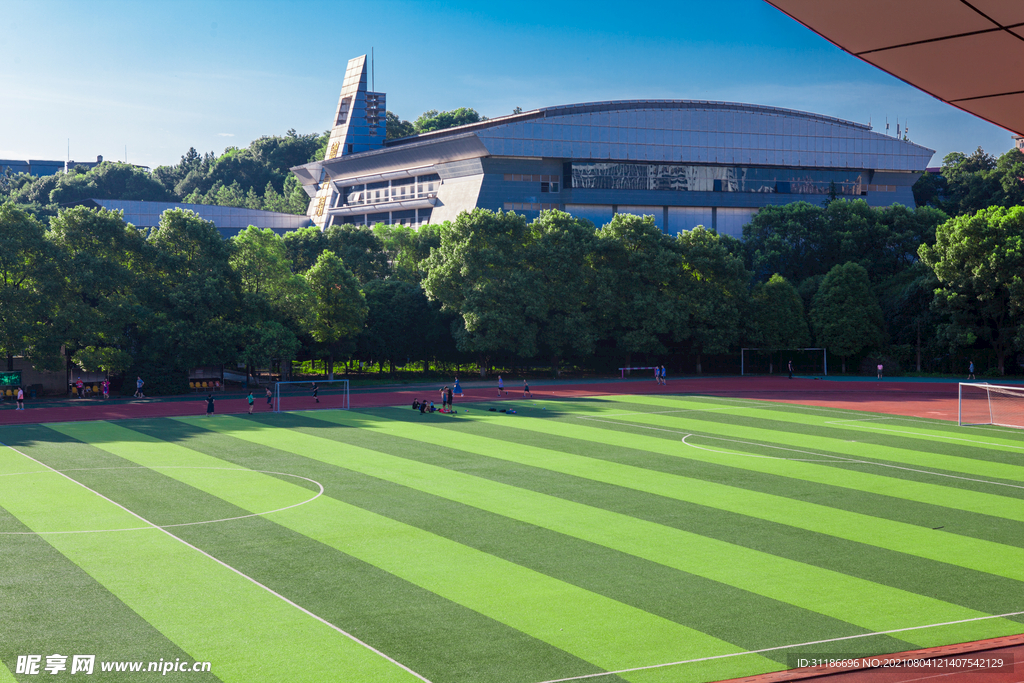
(932,400)
(1010,646)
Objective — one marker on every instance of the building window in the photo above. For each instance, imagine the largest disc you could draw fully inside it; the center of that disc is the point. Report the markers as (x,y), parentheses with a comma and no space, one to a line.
(529,206)
(343,111)
(549,186)
(350,148)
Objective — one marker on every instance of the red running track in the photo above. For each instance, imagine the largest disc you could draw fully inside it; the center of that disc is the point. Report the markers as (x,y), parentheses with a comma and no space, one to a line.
(915,399)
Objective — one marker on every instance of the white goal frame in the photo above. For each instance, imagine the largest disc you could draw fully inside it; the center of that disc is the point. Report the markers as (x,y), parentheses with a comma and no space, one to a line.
(824,356)
(309,383)
(994,416)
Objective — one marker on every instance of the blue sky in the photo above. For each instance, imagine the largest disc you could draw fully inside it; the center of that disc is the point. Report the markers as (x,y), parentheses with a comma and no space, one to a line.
(158,77)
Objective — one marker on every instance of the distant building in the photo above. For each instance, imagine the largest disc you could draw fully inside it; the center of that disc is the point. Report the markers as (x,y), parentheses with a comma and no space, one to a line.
(229,220)
(1018,142)
(685,162)
(41,167)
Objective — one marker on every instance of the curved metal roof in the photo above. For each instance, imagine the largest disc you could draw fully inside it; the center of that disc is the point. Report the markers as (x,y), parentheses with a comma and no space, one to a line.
(967,54)
(624,105)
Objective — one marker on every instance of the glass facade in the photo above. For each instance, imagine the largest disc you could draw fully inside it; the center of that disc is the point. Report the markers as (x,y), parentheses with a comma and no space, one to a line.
(693,178)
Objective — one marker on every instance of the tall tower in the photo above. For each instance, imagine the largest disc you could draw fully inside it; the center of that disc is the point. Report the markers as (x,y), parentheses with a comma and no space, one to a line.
(359,126)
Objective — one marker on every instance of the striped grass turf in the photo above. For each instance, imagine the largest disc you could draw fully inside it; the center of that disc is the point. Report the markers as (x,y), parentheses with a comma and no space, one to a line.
(517,524)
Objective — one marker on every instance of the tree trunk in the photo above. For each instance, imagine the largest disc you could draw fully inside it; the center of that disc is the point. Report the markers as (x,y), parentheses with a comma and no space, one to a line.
(1001,360)
(483,366)
(330,367)
(919,346)
(556,371)
(699,371)
(426,366)
(844,365)
(10,362)
(392,363)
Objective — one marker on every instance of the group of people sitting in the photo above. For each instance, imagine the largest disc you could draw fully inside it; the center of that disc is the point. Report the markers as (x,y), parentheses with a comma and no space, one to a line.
(423,406)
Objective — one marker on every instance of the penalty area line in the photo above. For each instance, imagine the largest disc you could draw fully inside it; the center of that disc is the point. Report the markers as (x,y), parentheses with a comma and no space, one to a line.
(780,647)
(227,566)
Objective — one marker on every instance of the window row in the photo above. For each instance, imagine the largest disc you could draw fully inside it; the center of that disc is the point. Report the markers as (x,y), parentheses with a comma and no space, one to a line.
(520,206)
(683,178)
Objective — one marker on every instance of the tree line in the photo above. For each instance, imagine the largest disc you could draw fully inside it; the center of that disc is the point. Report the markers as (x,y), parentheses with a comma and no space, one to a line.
(254,177)
(912,287)
(495,288)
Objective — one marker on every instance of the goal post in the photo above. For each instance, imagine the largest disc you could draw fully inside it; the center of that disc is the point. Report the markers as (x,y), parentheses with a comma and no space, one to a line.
(980,403)
(806,361)
(332,393)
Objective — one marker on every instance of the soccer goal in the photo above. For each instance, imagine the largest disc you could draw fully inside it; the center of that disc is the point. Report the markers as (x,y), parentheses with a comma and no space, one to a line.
(990,404)
(331,393)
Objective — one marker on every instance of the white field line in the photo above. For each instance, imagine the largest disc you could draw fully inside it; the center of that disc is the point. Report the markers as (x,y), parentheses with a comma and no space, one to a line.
(919,434)
(229,567)
(780,405)
(165,526)
(837,458)
(832,458)
(781,647)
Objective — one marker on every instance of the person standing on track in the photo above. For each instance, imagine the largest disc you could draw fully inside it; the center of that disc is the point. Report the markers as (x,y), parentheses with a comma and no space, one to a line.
(270,399)
(105,387)
(501,386)
(791,369)
(970,370)
(444,398)
(316,390)
(657,375)
(879,371)
(209,405)
(664,380)
(21,399)
(138,387)
(251,401)
(526,389)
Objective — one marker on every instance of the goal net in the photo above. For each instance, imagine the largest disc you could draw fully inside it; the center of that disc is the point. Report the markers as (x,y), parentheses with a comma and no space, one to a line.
(990,404)
(327,393)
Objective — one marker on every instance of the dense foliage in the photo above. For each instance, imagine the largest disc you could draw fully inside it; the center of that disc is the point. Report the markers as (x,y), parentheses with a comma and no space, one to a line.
(911,285)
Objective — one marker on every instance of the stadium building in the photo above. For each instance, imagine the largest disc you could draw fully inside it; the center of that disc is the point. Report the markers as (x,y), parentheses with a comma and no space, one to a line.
(685,162)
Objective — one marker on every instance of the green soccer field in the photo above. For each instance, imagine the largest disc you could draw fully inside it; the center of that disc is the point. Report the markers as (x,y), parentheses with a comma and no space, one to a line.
(658,539)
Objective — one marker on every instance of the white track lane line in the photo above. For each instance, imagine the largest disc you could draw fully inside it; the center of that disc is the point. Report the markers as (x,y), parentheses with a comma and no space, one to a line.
(228,566)
(780,647)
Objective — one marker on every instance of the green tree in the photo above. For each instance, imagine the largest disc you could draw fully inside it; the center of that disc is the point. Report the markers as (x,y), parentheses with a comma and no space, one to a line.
(846,315)
(638,299)
(480,273)
(407,247)
(979,260)
(195,298)
(360,250)
(397,322)
(108,180)
(396,127)
(777,316)
(561,255)
(713,291)
(337,309)
(303,246)
(435,120)
(102,295)
(28,282)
